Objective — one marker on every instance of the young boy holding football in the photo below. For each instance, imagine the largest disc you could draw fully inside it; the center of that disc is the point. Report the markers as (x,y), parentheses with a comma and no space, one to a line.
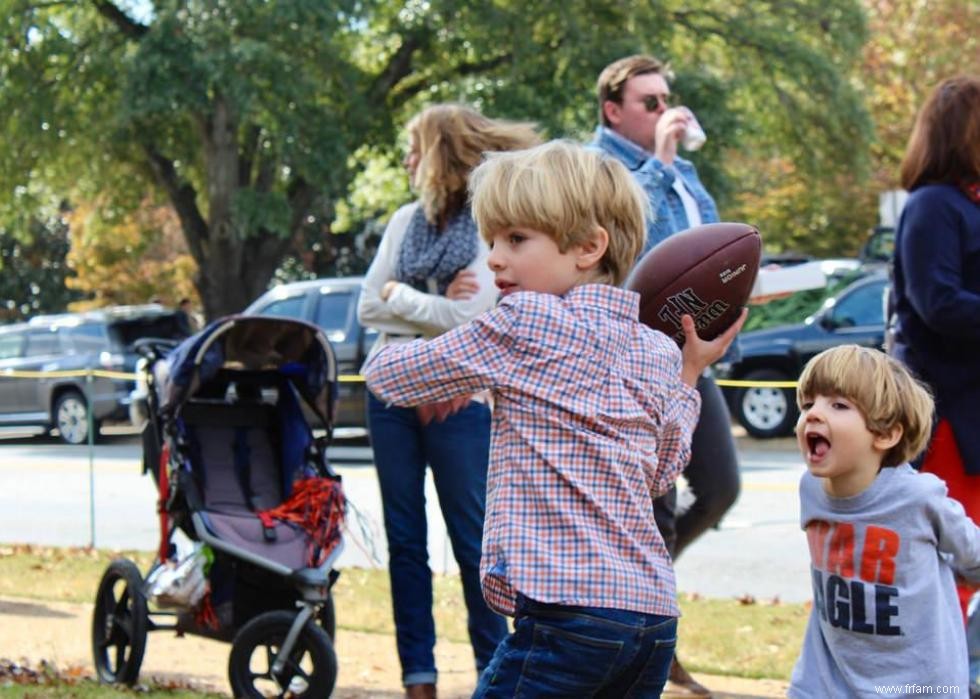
(593,418)
(884,539)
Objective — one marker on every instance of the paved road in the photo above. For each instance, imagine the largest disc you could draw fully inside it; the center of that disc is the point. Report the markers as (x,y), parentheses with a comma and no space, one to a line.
(45,499)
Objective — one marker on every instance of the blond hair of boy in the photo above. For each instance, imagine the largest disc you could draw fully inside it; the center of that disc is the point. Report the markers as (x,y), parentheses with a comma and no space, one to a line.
(883,389)
(568,192)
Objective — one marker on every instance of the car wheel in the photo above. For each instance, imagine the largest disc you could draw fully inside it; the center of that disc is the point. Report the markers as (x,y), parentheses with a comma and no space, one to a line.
(765,411)
(71,417)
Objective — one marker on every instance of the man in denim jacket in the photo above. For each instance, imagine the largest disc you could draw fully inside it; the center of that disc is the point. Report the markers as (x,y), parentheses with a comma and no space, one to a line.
(641,129)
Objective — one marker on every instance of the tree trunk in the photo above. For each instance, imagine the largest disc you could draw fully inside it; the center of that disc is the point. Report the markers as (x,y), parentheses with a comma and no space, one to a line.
(233,269)
(229,288)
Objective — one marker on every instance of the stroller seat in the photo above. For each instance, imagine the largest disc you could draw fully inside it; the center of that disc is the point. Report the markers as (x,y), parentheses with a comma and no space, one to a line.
(235,450)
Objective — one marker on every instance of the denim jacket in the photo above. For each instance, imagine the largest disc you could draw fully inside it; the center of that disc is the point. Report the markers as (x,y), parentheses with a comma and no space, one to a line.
(657,181)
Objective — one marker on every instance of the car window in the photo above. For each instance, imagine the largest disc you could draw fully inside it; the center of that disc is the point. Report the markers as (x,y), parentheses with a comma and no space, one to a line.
(332,312)
(86,338)
(291,307)
(862,307)
(42,344)
(880,247)
(124,333)
(11,344)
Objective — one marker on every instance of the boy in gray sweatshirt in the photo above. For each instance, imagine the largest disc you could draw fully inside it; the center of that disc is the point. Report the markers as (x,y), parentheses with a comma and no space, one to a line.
(885,541)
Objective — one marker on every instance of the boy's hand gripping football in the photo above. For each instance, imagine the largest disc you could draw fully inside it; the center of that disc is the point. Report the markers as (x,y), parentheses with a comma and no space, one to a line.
(699,354)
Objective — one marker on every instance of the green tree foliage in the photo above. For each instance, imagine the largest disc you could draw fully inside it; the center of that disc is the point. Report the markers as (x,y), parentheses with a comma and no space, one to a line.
(248,117)
(826,216)
(914,45)
(33,271)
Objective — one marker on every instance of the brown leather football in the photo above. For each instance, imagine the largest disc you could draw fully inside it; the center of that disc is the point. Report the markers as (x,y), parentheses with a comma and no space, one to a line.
(706,271)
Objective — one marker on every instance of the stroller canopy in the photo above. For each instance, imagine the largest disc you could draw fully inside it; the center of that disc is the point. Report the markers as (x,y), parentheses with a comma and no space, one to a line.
(295,349)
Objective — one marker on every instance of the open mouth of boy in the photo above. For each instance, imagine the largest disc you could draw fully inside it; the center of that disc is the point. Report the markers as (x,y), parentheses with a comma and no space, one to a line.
(817,446)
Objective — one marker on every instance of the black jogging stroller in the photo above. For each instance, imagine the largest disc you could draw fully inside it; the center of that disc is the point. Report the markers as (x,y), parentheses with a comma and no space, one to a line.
(238,420)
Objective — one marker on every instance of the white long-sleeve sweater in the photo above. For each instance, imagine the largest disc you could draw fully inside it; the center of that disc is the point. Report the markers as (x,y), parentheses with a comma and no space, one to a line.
(409,313)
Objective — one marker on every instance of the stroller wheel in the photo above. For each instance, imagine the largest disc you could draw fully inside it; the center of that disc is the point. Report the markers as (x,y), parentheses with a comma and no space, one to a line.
(310,671)
(119,624)
(327,618)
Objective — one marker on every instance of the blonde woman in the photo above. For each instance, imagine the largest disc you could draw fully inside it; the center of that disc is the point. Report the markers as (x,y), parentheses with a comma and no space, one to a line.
(430,274)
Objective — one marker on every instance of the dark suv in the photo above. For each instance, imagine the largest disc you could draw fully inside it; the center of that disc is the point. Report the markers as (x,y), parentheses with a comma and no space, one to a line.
(70,342)
(330,304)
(854,315)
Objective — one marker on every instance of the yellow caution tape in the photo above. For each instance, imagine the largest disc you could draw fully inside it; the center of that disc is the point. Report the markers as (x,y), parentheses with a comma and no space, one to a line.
(343,378)
(68,373)
(102,373)
(733,383)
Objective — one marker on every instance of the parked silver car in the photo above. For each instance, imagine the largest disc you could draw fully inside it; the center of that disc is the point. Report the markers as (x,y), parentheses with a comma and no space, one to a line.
(46,347)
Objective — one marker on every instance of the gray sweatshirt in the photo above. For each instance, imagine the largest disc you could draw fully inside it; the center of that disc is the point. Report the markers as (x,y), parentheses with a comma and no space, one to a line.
(886,621)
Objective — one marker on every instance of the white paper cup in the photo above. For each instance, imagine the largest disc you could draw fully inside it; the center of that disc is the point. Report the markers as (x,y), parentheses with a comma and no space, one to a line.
(694,136)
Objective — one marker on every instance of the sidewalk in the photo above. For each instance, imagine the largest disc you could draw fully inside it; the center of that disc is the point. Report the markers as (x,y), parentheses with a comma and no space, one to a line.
(34,630)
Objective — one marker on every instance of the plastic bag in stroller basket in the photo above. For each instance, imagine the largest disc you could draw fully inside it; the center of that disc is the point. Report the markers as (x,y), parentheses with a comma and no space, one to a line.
(180,584)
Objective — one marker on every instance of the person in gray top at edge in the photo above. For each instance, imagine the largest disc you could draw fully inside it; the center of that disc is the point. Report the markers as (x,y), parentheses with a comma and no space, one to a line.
(640,129)
(885,541)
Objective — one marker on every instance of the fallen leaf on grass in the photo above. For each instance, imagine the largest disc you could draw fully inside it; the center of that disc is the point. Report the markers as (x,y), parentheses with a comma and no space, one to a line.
(76,671)
(171,683)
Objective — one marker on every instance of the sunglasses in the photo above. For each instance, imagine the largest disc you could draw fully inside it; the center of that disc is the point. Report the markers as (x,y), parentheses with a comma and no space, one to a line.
(652,102)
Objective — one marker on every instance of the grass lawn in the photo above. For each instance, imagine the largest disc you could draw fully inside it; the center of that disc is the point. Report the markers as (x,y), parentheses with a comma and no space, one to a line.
(88,689)
(720,636)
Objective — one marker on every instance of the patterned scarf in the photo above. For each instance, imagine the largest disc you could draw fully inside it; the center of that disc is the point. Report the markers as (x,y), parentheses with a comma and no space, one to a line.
(430,255)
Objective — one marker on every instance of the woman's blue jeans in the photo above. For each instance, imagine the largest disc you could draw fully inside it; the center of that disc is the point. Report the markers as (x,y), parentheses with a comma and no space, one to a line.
(457,450)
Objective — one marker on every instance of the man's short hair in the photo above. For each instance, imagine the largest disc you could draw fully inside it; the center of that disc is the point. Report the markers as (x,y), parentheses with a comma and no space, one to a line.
(883,390)
(612,79)
(566,191)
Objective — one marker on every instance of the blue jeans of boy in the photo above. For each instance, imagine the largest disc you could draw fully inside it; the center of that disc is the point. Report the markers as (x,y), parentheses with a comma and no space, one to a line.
(578,652)
(457,450)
